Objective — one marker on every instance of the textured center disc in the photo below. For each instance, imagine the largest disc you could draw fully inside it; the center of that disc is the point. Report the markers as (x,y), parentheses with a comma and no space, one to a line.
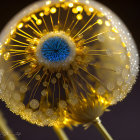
(55,49)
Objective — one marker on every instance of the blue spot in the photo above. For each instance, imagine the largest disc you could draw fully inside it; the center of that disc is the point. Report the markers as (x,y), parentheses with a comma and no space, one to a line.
(55,49)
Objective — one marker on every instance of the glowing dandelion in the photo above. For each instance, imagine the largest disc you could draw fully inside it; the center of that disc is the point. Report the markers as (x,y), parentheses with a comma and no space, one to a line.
(65,63)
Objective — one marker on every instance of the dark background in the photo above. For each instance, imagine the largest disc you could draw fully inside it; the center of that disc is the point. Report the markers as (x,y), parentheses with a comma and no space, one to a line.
(123,122)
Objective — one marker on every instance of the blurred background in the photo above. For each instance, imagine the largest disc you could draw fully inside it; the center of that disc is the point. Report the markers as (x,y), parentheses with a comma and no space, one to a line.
(122,122)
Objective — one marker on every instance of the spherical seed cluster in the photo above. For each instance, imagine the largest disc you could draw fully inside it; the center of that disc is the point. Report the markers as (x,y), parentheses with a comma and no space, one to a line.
(64,63)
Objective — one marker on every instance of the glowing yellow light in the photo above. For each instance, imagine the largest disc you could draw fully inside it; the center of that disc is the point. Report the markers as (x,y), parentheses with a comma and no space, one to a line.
(0,52)
(41,14)
(47,9)
(12,31)
(70,4)
(115,30)
(107,23)
(48,2)
(87,1)
(20,25)
(93,90)
(100,14)
(6,56)
(61,0)
(75,0)
(39,22)
(74,10)
(103,100)
(79,8)
(123,44)
(66,120)
(26,19)
(79,17)
(7,41)
(34,16)
(53,10)
(127,67)
(99,21)
(129,54)
(112,38)
(91,9)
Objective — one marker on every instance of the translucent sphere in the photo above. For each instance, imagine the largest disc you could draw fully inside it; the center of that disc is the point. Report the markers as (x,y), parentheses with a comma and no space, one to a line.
(64,62)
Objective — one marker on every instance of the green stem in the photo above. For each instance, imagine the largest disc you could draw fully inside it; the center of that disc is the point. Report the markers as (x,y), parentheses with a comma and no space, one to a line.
(60,133)
(97,123)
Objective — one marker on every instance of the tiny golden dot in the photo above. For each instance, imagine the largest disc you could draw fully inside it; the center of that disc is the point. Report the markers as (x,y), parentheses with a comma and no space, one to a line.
(74,10)
(115,30)
(34,16)
(91,9)
(129,54)
(48,2)
(53,10)
(127,66)
(87,1)
(47,9)
(99,21)
(79,8)
(70,5)
(39,22)
(107,23)
(79,17)
(41,14)
(6,56)
(20,25)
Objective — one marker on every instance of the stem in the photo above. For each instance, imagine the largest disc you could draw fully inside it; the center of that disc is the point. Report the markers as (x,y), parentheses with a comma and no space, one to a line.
(60,133)
(5,130)
(97,123)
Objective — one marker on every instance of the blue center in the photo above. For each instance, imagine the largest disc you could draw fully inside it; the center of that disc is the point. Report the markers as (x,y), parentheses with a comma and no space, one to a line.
(55,49)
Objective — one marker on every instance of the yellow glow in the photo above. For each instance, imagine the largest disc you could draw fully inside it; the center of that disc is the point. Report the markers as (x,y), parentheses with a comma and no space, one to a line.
(123,44)
(48,2)
(47,9)
(39,22)
(129,54)
(53,10)
(100,14)
(20,25)
(107,23)
(41,14)
(0,45)
(99,21)
(66,120)
(26,19)
(75,0)
(115,30)
(79,17)
(87,1)
(6,56)
(112,38)
(93,90)
(74,10)
(61,0)
(0,52)
(70,4)
(12,31)
(127,66)
(34,16)
(91,9)
(103,100)
(79,8)
(6,42)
